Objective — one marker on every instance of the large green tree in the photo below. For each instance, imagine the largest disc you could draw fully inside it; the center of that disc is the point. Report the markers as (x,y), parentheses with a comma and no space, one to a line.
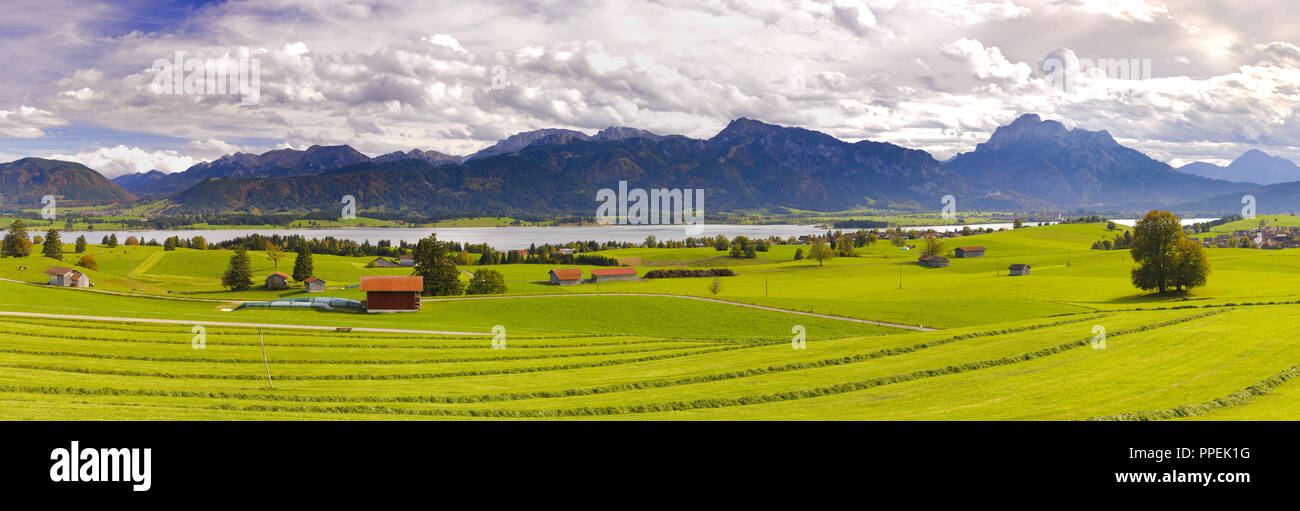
(433,262)
(52,247)
(486,282)
(81,245)
(16,242)
(239,274)
(302,264)
(820,251)
(1166,259)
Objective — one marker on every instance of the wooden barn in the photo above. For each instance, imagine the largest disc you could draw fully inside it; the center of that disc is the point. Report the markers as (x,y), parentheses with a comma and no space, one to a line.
(566,277)
(277,280)
(933,261)
(67,277)
(407,260)
(612,274)
(380,262)
(1018,269)
(966,252)
(313,285)
(392,293)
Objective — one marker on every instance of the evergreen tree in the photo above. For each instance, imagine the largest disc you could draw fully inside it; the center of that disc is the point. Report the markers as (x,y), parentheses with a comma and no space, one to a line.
(16,242)
(302,265)
(239,275)
(52,247)
(170,244)
(433,262)
(112,241)
(81,245)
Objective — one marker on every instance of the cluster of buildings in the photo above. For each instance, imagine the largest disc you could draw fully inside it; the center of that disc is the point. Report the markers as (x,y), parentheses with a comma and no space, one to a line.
(279,280)
(573,276)
(1014,270)
(1269,238)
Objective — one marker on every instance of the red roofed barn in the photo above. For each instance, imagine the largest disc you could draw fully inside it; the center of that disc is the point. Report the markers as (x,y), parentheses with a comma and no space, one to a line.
(610,274)
(392,294)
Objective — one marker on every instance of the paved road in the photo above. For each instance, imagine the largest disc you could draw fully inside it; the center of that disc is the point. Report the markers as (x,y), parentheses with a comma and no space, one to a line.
(227,323)
(701,298)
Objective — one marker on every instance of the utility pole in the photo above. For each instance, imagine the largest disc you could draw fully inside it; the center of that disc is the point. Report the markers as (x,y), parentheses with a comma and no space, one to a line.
(264,362)
(764,288)
(900,277)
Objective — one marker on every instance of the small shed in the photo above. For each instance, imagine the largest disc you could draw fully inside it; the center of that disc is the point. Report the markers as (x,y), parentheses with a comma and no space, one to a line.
(1018,269)
(380,262)
(933,261)
(67,277)
(314,285)
(566,277)
(612,274)
(406,260)
(966,252)
(392,293)
(277,280)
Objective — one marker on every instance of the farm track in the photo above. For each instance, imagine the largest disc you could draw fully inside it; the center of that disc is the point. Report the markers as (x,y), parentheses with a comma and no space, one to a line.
(278,326)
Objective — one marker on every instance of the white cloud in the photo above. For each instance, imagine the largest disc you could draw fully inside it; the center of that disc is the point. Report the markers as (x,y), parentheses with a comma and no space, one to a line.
(118,160)
(26,122)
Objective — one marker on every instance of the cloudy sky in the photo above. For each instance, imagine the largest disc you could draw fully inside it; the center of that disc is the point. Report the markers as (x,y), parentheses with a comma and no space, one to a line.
(1206,80)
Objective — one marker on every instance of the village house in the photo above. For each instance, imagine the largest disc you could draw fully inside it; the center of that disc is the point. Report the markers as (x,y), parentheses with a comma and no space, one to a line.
(613,274)
(1018,269)
(406,260)
(392,293)
(380,262)
(968,252)
(313,285)
(566,277)
(277,280)
(67,277)
(933,261)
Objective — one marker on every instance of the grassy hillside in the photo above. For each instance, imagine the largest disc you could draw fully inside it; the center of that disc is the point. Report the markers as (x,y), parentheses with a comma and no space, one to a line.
(1008,348)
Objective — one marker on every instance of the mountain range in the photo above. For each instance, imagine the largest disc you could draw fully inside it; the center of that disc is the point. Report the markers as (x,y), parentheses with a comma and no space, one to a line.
(1253,166)
(749,165)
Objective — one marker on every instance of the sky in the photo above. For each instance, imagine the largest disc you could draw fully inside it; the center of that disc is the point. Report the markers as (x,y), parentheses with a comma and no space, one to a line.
(83,79)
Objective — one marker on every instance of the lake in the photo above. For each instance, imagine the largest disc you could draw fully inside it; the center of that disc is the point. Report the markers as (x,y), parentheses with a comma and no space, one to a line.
(507,238)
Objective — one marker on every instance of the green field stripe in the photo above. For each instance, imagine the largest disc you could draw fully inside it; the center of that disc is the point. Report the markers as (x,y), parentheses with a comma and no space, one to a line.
(1239,398)
(412,376)
(257,360)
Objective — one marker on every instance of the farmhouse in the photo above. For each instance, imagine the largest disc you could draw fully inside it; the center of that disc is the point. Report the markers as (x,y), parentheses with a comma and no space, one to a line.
(964,252)
(313,285)
(406,260)
(380,262)
(566,277)
(277,280)
(611,274)
(67,277)
(392,293)
(1018,269)
(933,261)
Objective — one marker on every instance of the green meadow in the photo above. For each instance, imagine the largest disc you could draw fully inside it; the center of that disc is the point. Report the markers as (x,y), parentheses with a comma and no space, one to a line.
(997,347)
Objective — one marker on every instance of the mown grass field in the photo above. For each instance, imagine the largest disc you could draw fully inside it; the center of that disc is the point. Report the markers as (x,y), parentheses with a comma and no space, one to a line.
(1009,348)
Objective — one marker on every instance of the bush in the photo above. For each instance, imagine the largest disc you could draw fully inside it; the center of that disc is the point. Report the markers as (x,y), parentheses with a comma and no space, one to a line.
(88,263)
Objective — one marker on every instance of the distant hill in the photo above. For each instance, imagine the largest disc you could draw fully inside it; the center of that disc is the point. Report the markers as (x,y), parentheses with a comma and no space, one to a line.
(747,165)
(1077,167)
(1279,198)
(1253,166)
(277,163)
(24,182)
